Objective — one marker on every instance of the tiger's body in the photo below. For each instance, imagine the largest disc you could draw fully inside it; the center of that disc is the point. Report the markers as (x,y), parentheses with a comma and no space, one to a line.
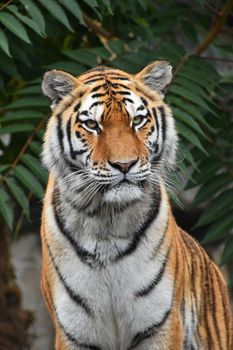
(117,271)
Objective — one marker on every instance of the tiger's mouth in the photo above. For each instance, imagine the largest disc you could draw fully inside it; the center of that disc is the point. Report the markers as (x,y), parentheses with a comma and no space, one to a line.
(124,191)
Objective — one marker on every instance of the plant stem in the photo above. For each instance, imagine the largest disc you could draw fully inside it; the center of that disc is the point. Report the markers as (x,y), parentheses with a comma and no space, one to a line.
(25,146)
(216,28)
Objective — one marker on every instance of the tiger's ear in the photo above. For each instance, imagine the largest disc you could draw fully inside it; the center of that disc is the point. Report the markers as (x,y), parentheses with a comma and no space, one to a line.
(56,84)
(156,75)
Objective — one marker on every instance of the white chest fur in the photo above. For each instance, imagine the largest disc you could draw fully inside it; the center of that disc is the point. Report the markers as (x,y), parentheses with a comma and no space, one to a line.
(110,311)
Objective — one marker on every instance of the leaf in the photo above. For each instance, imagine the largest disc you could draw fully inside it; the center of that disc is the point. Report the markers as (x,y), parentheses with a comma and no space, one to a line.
(30,90)
(19,195)
(91,3)
(230,285)
(56,11)
(15,128)
(196,89)
(191,109)
(228,251)
(101,52)
(35,147)
(82,56)
(208,189)
(68,66)
(219,229)
(4,168)
(189,121)
(41,133)
(109,7)
(206,170)
(28,102)
(181,91)
(29,181)
(189,135)
(6,209)
(8,67)
(35,13)
(14,26)
(188,156)
(18,52)
(117,46)
(28,21)
(21,115)
(220,205)
(35,166)
(189,31)
(75,9)
(4,43)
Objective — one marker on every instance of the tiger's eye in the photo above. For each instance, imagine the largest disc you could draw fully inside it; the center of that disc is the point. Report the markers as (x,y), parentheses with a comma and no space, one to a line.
(137,120)
(91,124)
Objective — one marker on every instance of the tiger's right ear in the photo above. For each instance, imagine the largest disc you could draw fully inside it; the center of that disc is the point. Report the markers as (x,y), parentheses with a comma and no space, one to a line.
(56,84)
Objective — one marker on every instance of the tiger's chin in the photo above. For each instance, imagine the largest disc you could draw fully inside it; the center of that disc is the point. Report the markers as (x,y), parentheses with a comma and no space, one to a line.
(123,193)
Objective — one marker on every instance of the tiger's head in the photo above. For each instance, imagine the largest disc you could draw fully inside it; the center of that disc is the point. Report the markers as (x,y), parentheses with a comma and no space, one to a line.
(110,130)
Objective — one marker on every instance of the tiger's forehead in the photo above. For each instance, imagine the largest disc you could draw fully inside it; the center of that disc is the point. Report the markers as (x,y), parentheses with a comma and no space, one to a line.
(93,106)
(103,73)
(107,90)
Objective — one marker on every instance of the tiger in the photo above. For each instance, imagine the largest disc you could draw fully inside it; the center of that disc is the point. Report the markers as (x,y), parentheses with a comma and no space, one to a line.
(118,273)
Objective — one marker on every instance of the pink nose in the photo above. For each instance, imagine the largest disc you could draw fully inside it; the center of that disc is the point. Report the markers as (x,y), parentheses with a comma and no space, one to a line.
(123,167)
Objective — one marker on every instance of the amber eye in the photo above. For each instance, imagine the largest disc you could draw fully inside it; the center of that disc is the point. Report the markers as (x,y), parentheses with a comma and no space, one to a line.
(138,119)
(91,124)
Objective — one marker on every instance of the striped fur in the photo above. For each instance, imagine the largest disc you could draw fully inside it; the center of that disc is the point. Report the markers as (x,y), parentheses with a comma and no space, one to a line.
(118,273)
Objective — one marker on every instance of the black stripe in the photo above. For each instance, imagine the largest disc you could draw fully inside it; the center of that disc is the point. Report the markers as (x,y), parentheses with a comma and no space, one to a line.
(74,296)
(92,80)
(163,130)
(119,78)
(152,214)
(68,133)
(144,101)
(123,92)
(68,335)
(164,124)
(97,103)
(225,309)
(115,73)
(117,85)
(99,94)
(146,290)
(84,255)
(85,112)
(91,76)
(74,340)
(60,134)
(206,290)
(73,153)
(96,88)
(214,313)
(149,332)
(72,167)
(155,117)
(141,108)
(76,108)
(127,99)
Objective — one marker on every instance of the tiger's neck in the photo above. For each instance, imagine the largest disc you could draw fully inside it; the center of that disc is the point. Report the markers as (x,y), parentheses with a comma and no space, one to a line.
(111,231)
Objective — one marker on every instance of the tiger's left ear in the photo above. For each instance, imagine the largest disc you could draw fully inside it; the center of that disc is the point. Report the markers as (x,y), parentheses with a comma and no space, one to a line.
(156,75)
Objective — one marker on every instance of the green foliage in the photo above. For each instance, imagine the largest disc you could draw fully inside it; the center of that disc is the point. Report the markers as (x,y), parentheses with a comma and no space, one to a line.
(39,35)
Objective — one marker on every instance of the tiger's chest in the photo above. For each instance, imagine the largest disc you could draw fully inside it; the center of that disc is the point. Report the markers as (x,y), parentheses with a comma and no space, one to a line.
(111,308)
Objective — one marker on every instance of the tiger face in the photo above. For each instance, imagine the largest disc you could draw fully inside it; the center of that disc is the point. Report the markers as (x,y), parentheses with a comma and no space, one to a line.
(110,131)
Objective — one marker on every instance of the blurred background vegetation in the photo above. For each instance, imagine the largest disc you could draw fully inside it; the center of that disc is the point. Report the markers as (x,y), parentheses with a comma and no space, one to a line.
(75,35)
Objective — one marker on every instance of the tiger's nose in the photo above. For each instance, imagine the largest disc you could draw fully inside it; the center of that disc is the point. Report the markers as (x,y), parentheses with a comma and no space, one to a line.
(124,167)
